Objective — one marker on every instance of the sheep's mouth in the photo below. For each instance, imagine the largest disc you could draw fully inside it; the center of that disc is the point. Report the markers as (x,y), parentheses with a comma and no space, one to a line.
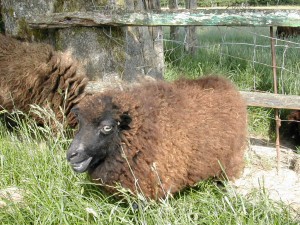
(82,166)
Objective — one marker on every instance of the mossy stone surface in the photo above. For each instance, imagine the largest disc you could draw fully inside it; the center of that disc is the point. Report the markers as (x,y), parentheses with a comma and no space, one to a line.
(92,47)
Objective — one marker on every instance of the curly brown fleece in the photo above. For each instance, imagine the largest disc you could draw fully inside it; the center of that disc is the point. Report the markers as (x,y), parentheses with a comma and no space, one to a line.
(180,133)
(33,73)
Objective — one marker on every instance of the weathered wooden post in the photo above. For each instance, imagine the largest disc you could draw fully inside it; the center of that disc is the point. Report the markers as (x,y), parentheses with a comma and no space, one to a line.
(144,45)
(105,51)
(191,37)
(174,30)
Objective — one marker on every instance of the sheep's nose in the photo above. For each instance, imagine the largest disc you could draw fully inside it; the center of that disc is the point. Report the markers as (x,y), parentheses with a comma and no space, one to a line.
(73,155)
(72,152)
(75,151)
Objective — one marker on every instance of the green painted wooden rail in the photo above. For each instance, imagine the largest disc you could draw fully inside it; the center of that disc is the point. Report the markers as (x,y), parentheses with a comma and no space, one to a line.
(198,17)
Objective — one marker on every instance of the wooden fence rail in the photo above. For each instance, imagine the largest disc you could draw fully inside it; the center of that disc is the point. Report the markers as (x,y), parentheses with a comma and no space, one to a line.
(270,100)
(260,99)
(197,17)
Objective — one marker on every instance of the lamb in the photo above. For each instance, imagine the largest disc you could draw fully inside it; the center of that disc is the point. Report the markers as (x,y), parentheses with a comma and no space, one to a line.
(159,137)
(33,73)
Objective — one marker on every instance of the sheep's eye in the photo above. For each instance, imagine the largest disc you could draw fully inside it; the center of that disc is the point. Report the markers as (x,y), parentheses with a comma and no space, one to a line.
(106,128)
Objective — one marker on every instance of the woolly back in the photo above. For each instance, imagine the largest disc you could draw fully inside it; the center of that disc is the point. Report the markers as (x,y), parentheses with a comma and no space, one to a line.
(180,133)
(33,73)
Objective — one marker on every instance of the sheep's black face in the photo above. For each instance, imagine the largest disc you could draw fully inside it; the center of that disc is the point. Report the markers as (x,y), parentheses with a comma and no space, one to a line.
(95,139)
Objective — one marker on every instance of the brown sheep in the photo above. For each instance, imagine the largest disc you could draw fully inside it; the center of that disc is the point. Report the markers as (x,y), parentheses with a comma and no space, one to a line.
(159,138)
(33,73)
(283,32)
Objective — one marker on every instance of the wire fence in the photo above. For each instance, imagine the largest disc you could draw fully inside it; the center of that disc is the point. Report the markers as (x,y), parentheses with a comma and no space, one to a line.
(243,46)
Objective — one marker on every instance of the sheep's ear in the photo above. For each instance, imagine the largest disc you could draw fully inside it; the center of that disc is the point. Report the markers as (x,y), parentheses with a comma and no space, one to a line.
(125,120)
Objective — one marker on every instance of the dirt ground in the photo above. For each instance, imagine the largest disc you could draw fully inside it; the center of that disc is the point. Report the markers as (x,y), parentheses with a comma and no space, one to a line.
(261,172)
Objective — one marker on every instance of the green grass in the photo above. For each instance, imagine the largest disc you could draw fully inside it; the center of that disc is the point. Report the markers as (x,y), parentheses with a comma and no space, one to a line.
(244,58)
(32,158)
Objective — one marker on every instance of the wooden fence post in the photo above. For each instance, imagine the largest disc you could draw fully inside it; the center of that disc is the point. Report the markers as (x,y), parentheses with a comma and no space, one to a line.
(174,30)
(144,46)
(191,37)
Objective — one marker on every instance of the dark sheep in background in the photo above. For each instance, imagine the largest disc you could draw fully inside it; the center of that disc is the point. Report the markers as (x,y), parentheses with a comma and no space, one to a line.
(159,137)
(33,73)
(294,126)
(283,32)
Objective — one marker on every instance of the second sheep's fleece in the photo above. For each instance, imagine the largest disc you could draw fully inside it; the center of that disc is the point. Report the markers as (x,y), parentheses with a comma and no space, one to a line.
(33,73)
(294,126)
(284,32)
(159,137)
